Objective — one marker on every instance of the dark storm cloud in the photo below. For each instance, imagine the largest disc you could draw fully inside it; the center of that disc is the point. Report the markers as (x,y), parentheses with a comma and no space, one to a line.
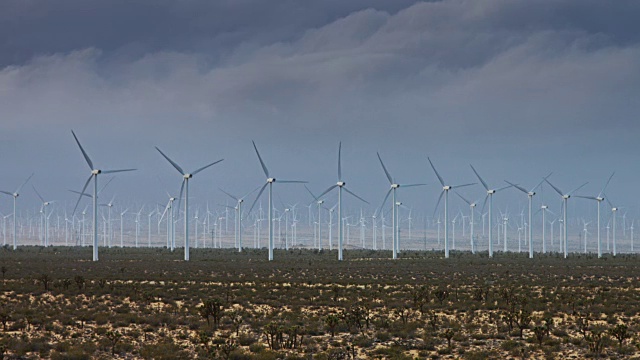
(537,85)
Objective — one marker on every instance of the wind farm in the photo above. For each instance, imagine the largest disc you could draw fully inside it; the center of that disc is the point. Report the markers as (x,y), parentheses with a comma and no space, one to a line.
(319,180)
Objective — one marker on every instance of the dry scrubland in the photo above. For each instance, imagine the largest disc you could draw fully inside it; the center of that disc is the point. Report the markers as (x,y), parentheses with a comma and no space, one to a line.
(146,303)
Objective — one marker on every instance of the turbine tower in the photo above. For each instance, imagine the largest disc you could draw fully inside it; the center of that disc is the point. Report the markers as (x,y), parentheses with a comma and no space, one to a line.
(445,192)
(94,174)
(599,199)
(341,185)
(565,198)
(530,194)
(394,187)
(489,196)
(185,186)
(15,195)
(270,181)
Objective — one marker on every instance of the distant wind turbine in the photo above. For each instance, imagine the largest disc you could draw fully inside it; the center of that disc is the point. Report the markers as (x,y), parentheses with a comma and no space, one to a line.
(185,186)
(269,182)
(15,195)
(94,174)
(565,198)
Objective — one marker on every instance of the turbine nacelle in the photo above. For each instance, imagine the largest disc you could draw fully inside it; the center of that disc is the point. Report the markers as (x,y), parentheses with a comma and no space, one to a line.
(341,183)
(320,202)
(271,180)
(566,196)
(531,193)
(187,176)
(544,207)
(398,203)
(446,188)
(395,186)
(614,209)
(599,198)
(491,192)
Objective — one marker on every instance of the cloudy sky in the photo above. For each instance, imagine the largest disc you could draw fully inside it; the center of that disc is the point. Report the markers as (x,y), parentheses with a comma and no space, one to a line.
(517,88)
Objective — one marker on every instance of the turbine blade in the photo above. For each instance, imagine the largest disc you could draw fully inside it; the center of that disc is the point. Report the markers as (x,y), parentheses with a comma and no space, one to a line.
(385,169)
(231,196)
(84,153)
(438,203)
(351,192)
(264,167)
(309,191)
(250,192)
(463,185)
(6,192)
(23,184)
(517,187)
(436,171)
(412,185)
(105,185)
(257,197)
(607,184)
(171,161)
(578,188)
(480,178)
(204,167)
(541,181)
(484,203)
(181,190)
(586,197)
(554,188)
(116,171)
(37,193)
(463,198)
(340,161)
(82,192)
(79,193)
(326,191)
(385,198)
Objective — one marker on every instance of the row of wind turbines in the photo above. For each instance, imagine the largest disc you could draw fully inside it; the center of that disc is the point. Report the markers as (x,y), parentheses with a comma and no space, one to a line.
(319,200)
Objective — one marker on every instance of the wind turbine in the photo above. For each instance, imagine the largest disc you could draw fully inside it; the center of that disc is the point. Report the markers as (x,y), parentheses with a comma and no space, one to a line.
(599,199)
(472,206)
(614,210)
(565,198)
(185,186)
(45,204)
(394,187)
(445,192)
(238,208)
(15,195)
(530,194)
(94,174)
(489,196)
(269,182)
(341,185)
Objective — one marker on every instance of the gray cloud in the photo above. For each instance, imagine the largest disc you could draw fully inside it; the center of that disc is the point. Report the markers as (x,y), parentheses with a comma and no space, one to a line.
(519,88)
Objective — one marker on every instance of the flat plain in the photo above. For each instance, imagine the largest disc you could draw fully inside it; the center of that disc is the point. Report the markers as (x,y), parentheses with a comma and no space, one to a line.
(149,304)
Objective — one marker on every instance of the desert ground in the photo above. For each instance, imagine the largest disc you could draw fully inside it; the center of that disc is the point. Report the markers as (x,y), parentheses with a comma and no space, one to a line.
(149,304)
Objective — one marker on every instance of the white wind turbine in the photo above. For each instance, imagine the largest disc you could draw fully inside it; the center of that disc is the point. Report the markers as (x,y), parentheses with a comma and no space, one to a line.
(445,192)
(530,194)
(565,198)
(394,187)
(614,210)
(269,182)
(122,227)
(585,234)
(341,185)
(15,195)
(94,174)
(472,206)
(598,198)
(238,219)
(489,196)
(45,205)
(185,187)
